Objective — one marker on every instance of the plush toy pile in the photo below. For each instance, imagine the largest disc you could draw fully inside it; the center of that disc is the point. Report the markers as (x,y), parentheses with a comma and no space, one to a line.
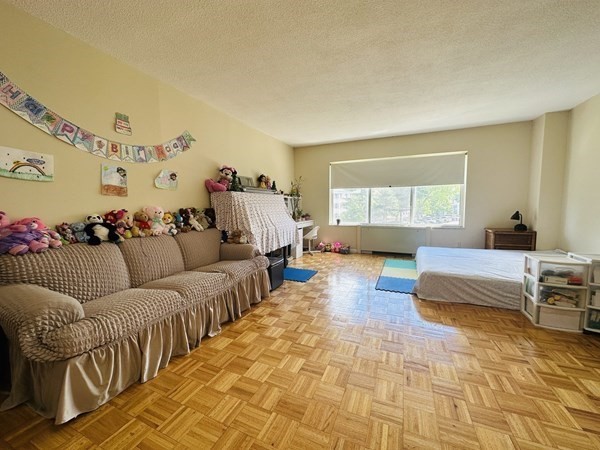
(32,235)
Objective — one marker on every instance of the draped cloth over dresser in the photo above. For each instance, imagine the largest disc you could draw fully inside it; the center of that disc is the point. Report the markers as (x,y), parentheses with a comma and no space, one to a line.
(263,218)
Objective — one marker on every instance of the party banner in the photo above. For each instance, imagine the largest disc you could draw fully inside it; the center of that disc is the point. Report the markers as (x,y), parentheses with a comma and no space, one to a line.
(28,108)
(24,165)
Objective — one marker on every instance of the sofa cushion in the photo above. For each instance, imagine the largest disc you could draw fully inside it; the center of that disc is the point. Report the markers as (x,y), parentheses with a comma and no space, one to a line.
(112,318)
(151,258)
(82,271)
(193,286)
(237,270)
(199,248)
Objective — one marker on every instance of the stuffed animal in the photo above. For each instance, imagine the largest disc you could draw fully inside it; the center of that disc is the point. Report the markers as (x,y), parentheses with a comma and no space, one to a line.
(189,219)
(155,215)
(66,233)
(180,225)
(211,216)
(4,220)
(19,239)
(141,225)
(35,223)
(122,220)
(125,224)
(262,181)
(202,219)
(79,231)
(169,221)
(236,237)
(99,230)
(222,184)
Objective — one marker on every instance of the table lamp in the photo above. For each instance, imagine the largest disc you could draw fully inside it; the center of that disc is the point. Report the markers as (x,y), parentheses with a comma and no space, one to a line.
(518,216)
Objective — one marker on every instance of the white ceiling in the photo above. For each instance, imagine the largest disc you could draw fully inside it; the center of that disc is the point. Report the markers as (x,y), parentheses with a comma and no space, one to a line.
(316,71)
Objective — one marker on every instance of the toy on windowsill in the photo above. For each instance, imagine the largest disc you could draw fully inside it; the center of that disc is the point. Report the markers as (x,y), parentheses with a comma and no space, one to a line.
(222,184)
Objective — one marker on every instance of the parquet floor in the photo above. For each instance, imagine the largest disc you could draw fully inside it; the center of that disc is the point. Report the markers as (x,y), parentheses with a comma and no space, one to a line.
(333,363)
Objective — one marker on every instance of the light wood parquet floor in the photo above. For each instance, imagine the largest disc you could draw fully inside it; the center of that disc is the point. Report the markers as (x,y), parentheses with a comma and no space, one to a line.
(333,363)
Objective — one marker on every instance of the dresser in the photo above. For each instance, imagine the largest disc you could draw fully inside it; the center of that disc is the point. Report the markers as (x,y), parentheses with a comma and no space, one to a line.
(509,239)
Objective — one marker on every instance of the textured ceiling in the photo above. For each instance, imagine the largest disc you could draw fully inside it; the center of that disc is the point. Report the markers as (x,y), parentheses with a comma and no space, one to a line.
(315,71)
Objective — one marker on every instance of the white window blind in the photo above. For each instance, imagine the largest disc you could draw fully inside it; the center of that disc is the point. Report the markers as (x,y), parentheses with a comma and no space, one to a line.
(419,170)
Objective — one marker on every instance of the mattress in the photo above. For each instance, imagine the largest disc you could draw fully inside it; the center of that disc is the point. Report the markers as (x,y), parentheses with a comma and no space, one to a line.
(476,276)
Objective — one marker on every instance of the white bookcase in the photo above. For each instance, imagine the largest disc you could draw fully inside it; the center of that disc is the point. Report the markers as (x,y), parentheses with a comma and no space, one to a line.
(592,304)
(555,291)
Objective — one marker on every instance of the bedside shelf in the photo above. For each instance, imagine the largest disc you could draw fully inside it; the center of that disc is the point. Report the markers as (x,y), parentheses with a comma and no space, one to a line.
(509,239)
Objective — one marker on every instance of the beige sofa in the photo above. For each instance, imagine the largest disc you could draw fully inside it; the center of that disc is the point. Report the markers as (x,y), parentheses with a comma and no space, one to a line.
(85,322)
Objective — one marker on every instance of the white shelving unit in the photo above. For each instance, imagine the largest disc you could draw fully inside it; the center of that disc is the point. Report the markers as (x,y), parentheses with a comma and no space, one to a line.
(555,291)
(592,304)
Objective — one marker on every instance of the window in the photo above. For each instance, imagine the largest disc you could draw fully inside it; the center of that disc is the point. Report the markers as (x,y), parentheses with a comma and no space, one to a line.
(357,194)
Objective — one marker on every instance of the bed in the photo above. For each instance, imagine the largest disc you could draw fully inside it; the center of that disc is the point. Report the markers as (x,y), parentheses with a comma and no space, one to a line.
(476,276)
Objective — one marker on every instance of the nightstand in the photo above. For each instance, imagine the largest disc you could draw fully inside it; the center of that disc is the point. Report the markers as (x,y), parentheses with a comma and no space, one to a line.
(509,239)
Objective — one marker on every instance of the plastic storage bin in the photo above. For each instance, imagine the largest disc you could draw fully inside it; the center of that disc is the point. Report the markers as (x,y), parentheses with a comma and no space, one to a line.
(560,318)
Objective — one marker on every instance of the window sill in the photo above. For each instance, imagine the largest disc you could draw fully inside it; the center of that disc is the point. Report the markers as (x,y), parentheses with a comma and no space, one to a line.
(391,225)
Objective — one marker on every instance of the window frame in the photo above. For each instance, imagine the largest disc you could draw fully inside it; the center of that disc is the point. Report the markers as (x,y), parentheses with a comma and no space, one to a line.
(461,224)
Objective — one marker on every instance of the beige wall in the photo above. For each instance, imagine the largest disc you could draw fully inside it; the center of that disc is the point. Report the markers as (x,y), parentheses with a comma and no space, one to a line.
(88,87)
(497,176)
(581,203)
(548,155)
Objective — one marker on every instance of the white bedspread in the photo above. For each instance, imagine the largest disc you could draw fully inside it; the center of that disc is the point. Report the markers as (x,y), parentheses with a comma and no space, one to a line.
(476,276)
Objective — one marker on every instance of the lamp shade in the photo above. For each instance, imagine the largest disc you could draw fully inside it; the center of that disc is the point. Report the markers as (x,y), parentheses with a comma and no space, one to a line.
(518,216)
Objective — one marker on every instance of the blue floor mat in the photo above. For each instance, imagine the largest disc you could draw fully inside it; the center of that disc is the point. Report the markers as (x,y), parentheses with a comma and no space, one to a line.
(300,275)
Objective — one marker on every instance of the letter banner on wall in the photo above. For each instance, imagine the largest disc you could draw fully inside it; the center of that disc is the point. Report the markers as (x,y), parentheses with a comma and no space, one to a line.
(28,108)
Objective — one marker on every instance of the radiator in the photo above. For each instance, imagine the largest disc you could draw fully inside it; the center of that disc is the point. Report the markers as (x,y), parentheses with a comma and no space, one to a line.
(392,239)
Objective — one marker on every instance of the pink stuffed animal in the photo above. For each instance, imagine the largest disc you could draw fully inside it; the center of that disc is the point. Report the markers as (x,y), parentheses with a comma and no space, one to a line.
(225,177)
(19,239)
(156,214)
(35,223)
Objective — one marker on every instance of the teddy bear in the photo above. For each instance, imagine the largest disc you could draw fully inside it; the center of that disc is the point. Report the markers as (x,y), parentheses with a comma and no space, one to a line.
(99,230)
(79,231)
(66,233)
(18,239)
(35,223)
(155,215)
(141,225)
(124,224)
(169,221)
(236,237)
(225,177)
